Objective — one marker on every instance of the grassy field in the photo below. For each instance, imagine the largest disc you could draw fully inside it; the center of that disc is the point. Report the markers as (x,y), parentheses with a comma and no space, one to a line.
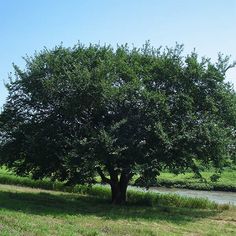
(26,211)
(87,211)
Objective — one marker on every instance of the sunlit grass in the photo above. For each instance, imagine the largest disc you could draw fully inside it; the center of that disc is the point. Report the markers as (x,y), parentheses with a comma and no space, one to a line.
(27,211)
(87,211)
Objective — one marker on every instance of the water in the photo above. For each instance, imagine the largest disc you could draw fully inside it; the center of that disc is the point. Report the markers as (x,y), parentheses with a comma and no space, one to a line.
(216,196)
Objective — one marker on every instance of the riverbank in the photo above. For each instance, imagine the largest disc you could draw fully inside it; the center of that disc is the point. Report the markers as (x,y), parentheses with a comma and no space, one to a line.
(134,196)
(27,211)
(226,182)
(220,197)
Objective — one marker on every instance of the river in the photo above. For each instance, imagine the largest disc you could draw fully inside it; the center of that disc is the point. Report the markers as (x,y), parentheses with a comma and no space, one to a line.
(216,196)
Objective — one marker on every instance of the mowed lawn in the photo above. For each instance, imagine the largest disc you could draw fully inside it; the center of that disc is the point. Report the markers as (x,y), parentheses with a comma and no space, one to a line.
(26,211)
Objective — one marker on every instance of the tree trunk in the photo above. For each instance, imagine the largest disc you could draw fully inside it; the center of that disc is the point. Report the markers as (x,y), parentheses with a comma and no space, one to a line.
(118,186)
(119,190)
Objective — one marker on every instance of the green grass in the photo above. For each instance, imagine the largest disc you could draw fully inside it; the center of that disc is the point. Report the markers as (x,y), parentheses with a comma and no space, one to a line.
(134,197)
(7,177)
(87,211)
(226,182)
(27,211)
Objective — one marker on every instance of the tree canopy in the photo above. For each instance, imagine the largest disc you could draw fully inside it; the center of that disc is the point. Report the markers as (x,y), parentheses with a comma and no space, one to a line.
(75,113)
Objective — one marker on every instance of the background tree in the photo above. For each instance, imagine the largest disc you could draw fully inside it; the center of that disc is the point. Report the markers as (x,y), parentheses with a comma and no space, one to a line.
(77,112)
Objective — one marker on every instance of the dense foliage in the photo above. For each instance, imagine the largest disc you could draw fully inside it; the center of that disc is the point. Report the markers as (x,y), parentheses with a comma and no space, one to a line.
(77,112)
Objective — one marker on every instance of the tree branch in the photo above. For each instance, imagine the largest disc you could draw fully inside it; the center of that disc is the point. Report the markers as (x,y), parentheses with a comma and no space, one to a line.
(103,177)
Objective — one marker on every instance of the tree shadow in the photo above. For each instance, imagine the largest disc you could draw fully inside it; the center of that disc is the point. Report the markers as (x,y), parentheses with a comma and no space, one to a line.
(74,204)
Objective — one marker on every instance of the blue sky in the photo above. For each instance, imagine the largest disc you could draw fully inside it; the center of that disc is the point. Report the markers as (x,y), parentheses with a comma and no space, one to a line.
(27,26)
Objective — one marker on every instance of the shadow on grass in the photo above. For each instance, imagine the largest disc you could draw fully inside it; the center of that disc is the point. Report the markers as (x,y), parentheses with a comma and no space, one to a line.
(74,204)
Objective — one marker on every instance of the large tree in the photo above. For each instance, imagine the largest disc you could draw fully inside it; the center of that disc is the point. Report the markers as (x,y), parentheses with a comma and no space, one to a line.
(75,113)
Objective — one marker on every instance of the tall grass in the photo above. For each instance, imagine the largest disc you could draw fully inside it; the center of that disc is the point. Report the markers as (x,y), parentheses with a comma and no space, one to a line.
(134,196)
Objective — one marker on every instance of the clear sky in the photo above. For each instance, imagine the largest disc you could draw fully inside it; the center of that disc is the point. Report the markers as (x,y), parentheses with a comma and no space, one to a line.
(29,25)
